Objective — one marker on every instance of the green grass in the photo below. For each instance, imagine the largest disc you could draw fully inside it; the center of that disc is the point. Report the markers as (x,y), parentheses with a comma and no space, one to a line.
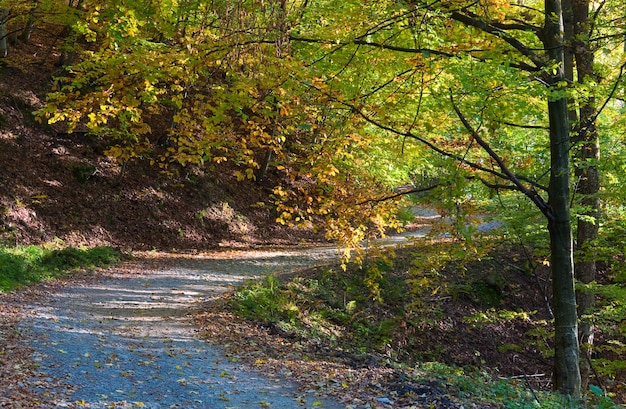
(505,393)
(20,266)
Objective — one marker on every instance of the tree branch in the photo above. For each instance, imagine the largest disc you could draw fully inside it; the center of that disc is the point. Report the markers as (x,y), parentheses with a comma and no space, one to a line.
(545,128)
(531,193)
(473,20)
(408,134)
(497,186)
(582,132)
(409,50)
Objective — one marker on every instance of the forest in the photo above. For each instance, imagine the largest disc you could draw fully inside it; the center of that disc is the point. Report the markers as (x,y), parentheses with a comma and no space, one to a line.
(267,122)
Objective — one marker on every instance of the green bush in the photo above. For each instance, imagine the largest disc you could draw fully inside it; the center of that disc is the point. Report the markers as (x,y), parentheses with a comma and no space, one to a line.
(263,300)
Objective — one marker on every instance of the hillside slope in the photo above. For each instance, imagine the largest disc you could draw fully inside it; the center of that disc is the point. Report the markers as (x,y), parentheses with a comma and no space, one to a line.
(56,186)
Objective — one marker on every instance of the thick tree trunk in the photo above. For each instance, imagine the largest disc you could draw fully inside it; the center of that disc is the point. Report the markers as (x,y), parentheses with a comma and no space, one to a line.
(588,185)
(566,357)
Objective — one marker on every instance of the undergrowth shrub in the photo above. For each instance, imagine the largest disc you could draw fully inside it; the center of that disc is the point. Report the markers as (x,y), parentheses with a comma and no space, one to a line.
(263,300)
(398,309)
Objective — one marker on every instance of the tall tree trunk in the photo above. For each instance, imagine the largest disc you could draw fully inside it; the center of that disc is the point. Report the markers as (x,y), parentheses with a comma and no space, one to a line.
(4,18)
(566,350)
(588,185)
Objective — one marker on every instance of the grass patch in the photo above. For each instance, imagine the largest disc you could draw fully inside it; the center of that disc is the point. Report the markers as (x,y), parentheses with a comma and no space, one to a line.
(21,266)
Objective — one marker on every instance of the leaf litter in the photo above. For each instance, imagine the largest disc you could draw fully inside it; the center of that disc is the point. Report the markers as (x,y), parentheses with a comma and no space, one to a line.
(358,383)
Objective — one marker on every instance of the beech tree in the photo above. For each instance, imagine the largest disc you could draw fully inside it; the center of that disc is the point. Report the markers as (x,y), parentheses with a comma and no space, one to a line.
(585,135)
(218,82)
(493,38)
(549,67)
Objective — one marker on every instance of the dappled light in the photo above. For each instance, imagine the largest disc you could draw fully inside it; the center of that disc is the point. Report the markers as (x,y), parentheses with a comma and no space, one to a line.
(134,330)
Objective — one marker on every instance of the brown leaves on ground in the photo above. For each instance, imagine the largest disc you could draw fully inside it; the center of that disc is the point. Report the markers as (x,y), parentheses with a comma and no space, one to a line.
(23,386)
(277,356)
(357,381)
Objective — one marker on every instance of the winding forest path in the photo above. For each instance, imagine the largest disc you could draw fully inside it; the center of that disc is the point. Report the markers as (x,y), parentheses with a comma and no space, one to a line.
(128,341)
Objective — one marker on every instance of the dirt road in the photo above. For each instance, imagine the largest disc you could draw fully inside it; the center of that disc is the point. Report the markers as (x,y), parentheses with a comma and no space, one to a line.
(127,341)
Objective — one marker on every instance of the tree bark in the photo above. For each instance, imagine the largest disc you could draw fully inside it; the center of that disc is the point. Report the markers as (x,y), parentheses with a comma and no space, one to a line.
(566,357)
(4,18)
(588,185)
(30,22)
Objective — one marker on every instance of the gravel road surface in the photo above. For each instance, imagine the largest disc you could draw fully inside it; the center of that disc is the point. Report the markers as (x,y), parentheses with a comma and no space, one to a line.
(127,341)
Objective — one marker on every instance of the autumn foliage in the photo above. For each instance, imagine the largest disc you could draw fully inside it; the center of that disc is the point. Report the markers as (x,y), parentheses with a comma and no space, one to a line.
(473,102)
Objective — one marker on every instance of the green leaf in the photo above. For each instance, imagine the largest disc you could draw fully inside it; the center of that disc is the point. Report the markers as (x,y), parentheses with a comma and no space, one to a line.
(596,390)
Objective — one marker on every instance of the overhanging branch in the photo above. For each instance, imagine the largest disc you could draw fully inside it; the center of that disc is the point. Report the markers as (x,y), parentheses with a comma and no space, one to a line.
(531,193)
(408,50)
(505,174)
(523,126)
(472,20)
